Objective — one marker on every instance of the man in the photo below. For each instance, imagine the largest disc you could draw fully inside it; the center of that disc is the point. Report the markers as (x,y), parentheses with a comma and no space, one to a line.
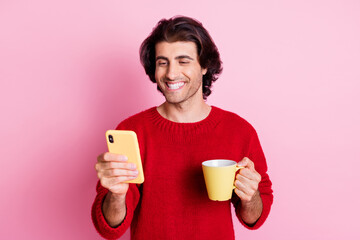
(175,138)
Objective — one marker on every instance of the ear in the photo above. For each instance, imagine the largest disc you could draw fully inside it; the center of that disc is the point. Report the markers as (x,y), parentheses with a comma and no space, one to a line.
(203,71)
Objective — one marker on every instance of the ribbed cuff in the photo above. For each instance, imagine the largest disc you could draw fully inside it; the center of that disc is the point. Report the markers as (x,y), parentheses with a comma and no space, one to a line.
(103,228)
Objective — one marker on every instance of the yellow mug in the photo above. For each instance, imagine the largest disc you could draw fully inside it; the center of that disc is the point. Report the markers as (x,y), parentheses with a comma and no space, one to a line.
(219,177)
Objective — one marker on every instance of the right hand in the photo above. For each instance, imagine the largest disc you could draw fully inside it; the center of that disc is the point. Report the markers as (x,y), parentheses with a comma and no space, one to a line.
(113,170)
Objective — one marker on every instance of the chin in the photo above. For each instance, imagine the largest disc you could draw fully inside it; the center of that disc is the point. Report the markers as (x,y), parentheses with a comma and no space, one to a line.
(172,101)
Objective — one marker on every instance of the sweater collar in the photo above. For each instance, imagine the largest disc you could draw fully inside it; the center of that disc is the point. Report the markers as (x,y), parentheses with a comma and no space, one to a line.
(205,125)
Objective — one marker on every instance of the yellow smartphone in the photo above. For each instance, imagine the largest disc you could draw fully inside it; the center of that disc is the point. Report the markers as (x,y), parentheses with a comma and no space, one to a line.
(125,142)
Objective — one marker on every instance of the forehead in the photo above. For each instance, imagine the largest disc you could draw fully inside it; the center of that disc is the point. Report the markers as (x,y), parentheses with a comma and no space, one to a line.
(174,49)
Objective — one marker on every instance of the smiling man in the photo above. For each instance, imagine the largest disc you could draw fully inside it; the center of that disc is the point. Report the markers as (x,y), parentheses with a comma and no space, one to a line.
(178,75)
(175,138)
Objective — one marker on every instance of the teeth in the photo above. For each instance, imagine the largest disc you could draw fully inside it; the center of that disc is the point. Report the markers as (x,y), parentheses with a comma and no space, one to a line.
(174,86)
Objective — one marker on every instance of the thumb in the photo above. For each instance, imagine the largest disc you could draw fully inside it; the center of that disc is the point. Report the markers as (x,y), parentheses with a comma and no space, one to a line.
(245,162)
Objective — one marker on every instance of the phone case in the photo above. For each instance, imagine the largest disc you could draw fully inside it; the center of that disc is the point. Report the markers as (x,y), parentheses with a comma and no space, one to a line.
(125,142)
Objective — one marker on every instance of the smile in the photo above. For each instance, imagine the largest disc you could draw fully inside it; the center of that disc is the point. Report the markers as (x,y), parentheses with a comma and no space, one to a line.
(175,86)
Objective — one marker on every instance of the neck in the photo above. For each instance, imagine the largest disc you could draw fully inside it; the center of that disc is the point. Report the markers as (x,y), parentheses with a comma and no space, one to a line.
(184,113)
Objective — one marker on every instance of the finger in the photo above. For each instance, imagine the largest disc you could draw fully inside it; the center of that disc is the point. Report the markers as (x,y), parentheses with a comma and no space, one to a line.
(115,172)
(247,190)
(243,196)
(111,181)
(250,174)
(100,166)
(248,186)
(246,162)
(112,157)
(242,188)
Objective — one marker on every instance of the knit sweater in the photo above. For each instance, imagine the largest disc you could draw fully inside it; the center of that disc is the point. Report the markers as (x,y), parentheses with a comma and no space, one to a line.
(172,203)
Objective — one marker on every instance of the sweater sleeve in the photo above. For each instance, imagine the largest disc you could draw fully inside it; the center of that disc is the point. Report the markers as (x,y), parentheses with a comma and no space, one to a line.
(132,199)
(103,228)
(255,154)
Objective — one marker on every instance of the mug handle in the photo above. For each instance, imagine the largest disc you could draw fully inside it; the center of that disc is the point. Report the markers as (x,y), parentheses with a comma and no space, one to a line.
(237,168)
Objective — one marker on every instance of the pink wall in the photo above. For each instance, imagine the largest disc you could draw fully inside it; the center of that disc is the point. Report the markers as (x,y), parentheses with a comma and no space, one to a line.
(69,70)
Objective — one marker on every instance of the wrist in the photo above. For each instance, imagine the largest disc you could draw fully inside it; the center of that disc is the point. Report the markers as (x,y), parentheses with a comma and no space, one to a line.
(251,211)
(254,200)
(114,208)
(116,196)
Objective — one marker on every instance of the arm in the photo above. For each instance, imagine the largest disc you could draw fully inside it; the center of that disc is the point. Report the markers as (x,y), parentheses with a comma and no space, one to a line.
(102,224)
(115,202)
(114,209)
(250,212)
(246,183)
(253,195)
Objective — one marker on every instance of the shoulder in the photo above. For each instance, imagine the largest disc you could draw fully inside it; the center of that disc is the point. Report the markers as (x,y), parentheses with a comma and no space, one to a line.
(136,120)
(233,120)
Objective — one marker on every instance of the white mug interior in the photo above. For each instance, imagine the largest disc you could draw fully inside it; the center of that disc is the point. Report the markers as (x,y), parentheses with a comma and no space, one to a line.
(219,163)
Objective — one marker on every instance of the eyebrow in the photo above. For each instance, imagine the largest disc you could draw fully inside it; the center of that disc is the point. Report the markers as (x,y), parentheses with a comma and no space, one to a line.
(177,57)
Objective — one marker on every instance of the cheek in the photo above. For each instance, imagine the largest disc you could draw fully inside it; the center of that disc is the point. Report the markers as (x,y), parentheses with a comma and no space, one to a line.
(157,74)
(194,72)
(194,75)
(160,70)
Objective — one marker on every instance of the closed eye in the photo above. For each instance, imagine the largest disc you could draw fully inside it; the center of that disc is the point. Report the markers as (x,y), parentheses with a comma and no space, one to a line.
(184,59)
(161,63)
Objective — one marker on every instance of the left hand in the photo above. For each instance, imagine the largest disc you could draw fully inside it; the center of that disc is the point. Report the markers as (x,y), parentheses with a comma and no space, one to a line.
(247,181)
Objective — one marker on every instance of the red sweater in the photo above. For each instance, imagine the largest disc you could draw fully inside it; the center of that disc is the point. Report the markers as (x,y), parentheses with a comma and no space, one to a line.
(173,203)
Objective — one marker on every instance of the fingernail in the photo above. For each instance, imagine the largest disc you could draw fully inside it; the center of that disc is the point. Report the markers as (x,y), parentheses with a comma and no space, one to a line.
(135,173)
(132,166)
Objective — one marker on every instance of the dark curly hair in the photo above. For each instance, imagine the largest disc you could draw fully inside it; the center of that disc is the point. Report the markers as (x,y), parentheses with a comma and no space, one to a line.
(180,28)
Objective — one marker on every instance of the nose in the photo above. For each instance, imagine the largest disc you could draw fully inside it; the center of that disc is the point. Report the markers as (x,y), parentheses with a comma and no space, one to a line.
(172,72)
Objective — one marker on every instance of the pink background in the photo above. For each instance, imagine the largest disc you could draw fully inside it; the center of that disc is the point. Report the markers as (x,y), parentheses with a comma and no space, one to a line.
(69,70)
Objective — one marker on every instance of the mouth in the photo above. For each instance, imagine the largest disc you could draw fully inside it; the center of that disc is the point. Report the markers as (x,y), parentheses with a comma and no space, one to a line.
(174,86)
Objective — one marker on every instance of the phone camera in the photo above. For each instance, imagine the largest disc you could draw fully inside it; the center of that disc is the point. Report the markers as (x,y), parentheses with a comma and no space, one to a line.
(111,139)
